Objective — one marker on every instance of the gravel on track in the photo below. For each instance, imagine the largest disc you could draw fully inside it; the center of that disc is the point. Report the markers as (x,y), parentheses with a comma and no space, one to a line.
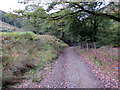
(70,71)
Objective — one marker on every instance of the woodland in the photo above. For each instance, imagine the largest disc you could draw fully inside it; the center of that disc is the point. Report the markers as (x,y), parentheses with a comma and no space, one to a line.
(71,32)
(72,22)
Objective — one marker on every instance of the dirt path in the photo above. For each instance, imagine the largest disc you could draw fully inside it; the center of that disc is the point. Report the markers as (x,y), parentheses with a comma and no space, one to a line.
(70,71)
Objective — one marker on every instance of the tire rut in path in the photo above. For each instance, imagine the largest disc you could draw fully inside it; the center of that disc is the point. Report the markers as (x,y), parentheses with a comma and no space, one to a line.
(70,71)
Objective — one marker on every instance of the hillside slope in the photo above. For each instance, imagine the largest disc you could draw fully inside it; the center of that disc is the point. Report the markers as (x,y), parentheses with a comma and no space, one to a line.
(4,25)
(24,52)
(10,21)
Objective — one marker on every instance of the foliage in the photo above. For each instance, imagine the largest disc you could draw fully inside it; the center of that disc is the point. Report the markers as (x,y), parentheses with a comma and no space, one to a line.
(10,19)
(74,22)
(108,33)
(24,51)
(31,17)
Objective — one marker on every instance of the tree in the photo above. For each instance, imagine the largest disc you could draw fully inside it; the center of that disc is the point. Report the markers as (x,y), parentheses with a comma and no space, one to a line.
(32,17)
(75,22)
(85,7)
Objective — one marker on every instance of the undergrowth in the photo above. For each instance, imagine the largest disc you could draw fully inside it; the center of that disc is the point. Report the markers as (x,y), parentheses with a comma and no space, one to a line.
(24,53)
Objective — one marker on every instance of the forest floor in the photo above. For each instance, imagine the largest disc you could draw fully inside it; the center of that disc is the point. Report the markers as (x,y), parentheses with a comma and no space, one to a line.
(70,70)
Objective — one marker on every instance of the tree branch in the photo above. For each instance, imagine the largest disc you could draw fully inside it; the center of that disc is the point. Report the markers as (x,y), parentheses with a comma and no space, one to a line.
(62,16)
(98,14)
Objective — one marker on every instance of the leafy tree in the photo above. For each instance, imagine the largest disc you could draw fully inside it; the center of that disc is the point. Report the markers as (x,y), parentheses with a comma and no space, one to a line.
(31,17)
(74,22)
(108,33)
(85,21)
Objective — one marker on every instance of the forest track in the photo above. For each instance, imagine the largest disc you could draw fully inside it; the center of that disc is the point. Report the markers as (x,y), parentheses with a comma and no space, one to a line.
(70,71)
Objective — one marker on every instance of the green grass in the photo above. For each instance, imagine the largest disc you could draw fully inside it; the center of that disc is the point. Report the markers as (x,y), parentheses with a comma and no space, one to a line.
(26,51)
(20,35)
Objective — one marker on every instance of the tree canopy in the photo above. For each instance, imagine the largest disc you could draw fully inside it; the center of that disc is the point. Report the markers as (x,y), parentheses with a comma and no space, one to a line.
(74,22)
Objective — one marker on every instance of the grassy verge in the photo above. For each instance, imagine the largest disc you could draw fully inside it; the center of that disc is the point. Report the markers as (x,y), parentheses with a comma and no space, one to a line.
(24,53)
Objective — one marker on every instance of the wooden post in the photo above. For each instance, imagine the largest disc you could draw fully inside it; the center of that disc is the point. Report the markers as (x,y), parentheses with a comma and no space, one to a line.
(87,46)
(81,46)
(111,51)
(95,49)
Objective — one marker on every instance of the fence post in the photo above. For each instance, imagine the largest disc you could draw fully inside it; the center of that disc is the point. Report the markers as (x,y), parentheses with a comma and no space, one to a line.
(111,54)
(87,46)
(95,49)
(80,45)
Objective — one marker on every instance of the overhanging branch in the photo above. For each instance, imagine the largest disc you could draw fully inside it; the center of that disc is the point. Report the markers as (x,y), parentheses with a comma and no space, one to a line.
(98,14)
(62,16)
